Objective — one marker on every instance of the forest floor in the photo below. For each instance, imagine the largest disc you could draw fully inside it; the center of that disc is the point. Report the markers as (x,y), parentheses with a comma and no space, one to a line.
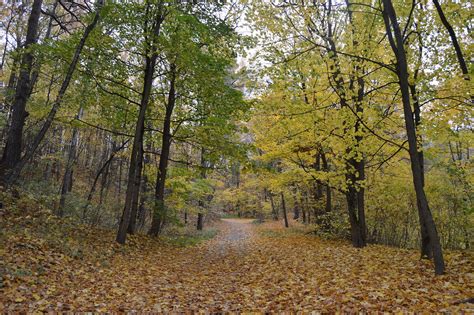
(54,264)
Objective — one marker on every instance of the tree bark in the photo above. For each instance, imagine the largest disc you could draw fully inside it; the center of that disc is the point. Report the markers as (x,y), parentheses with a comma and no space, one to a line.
(425,244)
(136,193)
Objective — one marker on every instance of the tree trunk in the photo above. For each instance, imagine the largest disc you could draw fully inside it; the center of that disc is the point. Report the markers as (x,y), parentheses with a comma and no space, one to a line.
(142,209)
(283,206)
(328,207)
(274,209)
(12,151)
(200,219)
(296,209)
(159,213)
(396,42)
(425,246)
(454,40)
(202,203)
(357,235)
(134,210)
(71,158)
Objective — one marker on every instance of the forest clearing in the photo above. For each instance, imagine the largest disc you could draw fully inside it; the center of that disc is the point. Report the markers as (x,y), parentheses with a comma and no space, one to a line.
(236,156)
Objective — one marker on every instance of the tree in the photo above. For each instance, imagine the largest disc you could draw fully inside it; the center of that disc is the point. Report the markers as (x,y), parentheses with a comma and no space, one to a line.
(154,17)
(396,42)
(12,151)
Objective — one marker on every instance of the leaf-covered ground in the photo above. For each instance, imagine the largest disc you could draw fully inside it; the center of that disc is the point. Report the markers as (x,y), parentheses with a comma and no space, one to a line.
(53,264)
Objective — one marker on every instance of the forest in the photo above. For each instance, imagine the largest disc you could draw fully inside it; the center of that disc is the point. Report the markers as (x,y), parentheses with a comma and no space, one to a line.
(236,156)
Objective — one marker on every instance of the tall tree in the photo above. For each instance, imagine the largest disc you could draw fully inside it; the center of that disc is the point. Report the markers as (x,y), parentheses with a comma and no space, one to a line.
(12,152)
(154,17)
(394,35)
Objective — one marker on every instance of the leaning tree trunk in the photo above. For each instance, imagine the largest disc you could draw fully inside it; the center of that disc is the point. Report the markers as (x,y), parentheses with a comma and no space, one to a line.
(97,176)
(425,244)
(12,152)
(454,40)
(396,43)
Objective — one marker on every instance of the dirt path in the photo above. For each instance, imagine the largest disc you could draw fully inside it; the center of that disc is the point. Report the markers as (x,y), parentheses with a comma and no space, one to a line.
(244,268)
(235,237)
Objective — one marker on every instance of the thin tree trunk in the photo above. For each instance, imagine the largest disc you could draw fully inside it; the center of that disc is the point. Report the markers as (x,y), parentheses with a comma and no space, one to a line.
(202,204)
(66,186)
(354,167)
(274,209)
(142,211)
(7,31)
(425,246)
(283,206)
(296,207)
(454,40)
(328,207)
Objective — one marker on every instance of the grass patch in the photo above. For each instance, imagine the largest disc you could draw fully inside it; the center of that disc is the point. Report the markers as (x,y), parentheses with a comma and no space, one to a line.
(230,216)
(190,239)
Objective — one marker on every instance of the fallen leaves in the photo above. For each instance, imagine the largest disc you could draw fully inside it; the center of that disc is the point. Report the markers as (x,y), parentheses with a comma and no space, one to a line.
(243,268)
